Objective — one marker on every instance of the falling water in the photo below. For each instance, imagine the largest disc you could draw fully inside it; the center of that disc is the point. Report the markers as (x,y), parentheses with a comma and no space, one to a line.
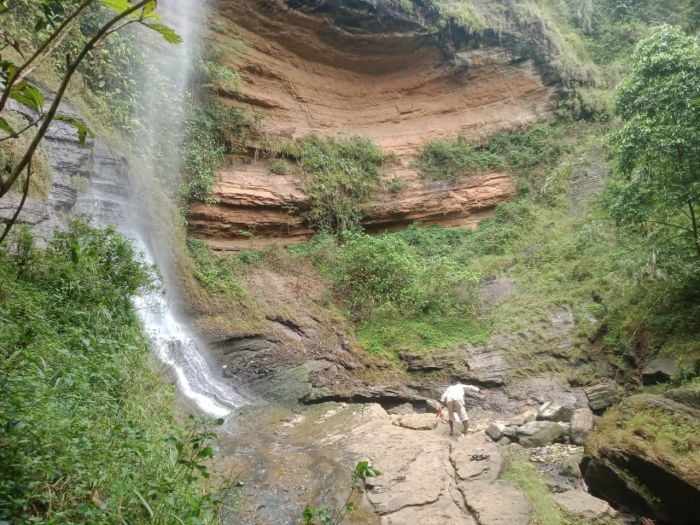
(112,200)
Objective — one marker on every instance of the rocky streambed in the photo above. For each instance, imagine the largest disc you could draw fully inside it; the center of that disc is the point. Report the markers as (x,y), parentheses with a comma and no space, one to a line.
(291,457)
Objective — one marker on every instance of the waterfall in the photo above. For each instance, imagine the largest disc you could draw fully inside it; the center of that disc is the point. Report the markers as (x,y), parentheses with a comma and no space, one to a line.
(110,199)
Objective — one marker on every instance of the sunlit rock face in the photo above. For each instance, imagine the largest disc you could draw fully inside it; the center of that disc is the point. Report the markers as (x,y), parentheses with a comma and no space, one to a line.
(347,68)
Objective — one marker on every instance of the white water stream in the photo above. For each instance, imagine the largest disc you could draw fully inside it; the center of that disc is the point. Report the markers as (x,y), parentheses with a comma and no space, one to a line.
(113,199)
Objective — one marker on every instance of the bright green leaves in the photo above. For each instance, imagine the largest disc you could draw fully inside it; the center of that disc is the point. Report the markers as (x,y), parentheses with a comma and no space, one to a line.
(28,95)
(52,12)
(385,274)
(145,14)
(79,125)
(5,126)
(364,470)
(168,33)
(341,175)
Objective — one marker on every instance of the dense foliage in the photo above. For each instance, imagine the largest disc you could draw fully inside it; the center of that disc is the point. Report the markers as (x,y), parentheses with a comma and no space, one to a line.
(658,147)
(86,428)
(217,274)
(213,131)
(528,152)
(399,298)
(341,176)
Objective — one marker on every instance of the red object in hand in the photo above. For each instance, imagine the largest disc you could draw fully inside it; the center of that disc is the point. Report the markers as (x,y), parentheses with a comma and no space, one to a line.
(440,414)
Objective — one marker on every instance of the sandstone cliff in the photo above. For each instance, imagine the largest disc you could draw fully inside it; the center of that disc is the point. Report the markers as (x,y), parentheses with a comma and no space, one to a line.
(371,71)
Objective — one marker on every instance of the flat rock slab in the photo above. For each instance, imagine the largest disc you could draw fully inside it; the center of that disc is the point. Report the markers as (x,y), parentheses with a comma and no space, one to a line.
(468,470)
(418,483)
(418,421)
(486,366)
(497,503)
(583,504)
(443,512)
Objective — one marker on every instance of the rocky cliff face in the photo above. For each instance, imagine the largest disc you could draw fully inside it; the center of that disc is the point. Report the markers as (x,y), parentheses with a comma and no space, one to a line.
(372,71)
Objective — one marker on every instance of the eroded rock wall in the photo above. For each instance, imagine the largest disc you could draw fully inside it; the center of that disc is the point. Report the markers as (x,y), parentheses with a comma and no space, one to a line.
(369,71)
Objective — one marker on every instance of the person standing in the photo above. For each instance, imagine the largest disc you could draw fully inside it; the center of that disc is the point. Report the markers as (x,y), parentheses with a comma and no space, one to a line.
(453,399)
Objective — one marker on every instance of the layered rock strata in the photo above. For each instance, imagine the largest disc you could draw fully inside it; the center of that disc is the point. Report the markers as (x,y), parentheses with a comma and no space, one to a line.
(369,72)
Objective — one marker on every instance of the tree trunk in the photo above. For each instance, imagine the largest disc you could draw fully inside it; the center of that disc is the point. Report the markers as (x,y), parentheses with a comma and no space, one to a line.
(694,222)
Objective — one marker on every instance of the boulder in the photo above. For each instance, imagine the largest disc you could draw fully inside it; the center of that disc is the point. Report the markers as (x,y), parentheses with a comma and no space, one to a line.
(581,425)
(634,468)
(529,415)
(582,504)
(496,290)
(503,441)
(511,431)
(418,421)
(495,431)
(570,466)
(600,396)
(689,396)
(659,370)
(551,411)
(401,410)
(497,503)
(540,433)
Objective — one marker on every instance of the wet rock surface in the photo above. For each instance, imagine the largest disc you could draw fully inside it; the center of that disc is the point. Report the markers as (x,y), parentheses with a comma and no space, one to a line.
(498,361)
(68,159)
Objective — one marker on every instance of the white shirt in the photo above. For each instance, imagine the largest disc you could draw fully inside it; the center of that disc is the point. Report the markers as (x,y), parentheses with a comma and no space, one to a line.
(456,392)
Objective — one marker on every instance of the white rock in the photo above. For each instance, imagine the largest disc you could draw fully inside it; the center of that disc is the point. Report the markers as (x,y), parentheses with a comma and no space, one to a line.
(583,504)
(581,425)
(551,411)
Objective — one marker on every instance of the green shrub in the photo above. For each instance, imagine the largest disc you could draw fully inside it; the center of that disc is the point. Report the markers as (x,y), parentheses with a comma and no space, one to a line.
(460,13)
(280,167)
(388,332)
(529,154)
(450,160)
(399,298)
(396,185)
(86,424)
(216,273)
(341,176)
(374,272)
(225,77)
(212,132)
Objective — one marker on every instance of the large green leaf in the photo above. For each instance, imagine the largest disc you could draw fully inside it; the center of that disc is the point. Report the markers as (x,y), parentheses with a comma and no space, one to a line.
(28,95)
(168,32)
(117,5)
(81,128)
(148,12)
(5,126)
